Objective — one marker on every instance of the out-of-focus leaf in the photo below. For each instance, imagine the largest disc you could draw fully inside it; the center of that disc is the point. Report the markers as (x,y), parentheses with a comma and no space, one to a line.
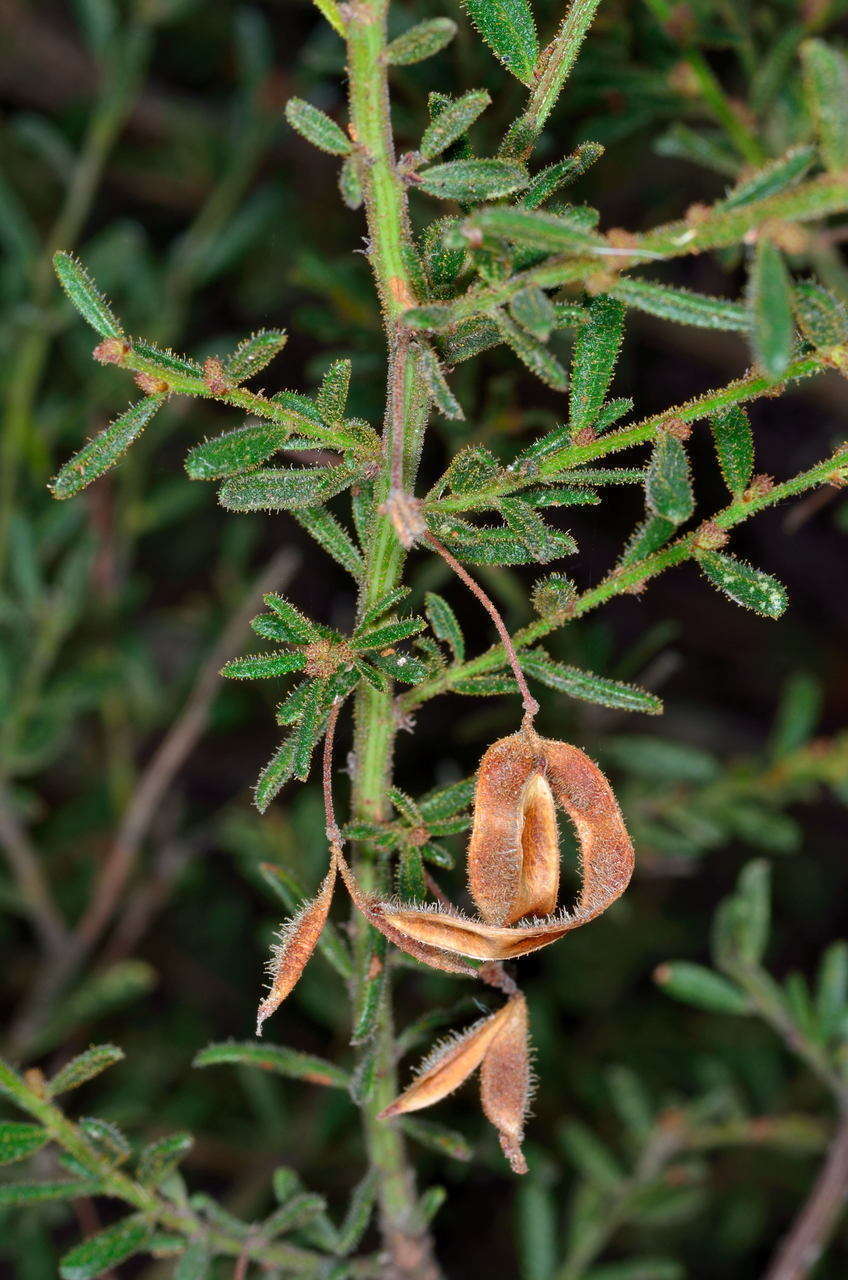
(420,42)
(105,1250)
(770,308)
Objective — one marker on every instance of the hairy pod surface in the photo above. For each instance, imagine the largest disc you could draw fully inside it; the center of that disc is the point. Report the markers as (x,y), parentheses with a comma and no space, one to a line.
(296,942)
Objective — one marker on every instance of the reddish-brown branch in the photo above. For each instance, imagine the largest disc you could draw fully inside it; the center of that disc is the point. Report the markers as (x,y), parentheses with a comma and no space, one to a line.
(529,703)
(798,1254)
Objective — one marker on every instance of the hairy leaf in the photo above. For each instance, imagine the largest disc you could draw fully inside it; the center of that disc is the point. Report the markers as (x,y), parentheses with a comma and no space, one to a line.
(316,127)
(285,489)
(770,309)
(85,296)
(420,42)
(595,355)
(451,123)
(276,1058)
(826,90)
(253,354)
(105,1250)
(668,484)
(509,29)
(681,305)
(588,686)
(104,450)
(472,180)
(734,444)
(744,584)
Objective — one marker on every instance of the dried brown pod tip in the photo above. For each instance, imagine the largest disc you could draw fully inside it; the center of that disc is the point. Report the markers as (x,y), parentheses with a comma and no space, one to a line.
(297,939)
(499,1046)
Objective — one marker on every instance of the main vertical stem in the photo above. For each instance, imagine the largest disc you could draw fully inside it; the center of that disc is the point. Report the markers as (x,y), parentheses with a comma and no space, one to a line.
(405,1235)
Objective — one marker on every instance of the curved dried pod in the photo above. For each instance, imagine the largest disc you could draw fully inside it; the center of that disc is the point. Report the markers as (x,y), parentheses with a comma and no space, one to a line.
(513,853)
(514,857)
(498,1045)
(296,940)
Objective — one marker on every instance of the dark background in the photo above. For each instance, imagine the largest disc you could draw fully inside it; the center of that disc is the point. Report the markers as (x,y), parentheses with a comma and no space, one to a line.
(169,566)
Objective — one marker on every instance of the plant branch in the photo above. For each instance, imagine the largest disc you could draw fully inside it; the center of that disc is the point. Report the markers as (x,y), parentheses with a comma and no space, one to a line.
(633,576)
(813,1228)
(25,865)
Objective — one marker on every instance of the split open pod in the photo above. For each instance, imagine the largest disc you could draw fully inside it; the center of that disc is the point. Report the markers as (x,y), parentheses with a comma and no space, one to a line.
(514,858)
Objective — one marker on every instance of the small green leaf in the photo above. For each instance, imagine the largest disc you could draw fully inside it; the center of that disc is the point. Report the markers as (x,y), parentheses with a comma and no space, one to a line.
(285,488)
(22,1194)
(826,90)
(444,624)
(331,399)
(681,306)
(509,29)
(159,1159)
(369,993)
(832,989)
(821,317)
(472,180)
(752,902)
(471,470)
(444,802)
(307,730)
(438,1137)
(316,127)
(84,1067)
(19,1140)
(253,354)
(769,300)
(333,537)
(694,984)
(387,634)
(436,383)
(594,1160)
(261,666)
(194,1261)
(532,309)
(276,1058)
(350,186)
(556,233)
(538,1230)
(358,1215)
(236,451)
(645,539)
(104,450)
(421,41)
(411,885)
(85,296)
(742,583)
(548,181)
(540,540)
(532,353)
(277,772)
(797,714)
(108,1137)
(734,445)
(452,122)
(165,361)
(105,1250)
(668,483)
(588,686)
(777,176)
(595,354)
(295,627)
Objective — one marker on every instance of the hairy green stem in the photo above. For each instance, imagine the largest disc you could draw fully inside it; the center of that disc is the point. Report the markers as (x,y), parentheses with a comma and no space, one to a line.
(406,1238)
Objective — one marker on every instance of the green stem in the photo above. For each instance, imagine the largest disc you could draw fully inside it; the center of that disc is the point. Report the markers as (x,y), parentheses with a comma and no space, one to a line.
(554,69)
(633,576)
(406,1239)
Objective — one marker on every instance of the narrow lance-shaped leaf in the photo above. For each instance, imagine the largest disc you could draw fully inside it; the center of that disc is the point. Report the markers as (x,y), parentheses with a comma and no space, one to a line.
(472,180)
(742,583)
(235,452)
(332,536)
(694,984)
(159,1159)
(770,307)
(19,1140)
(532,229)
(84,1067)
(532,353)
(316,127)
(253,354)
(277,1058)
(668,484)
(350,186)
(589,687)
(734,444)
(821,316)
(285,489)
(106,1250)
(331,399)
(259,666)
(826,89)
(436,382)
(595,354)
(23,1194)
(277,772)
(533,310)
(540,540)
(104,450)
(548,181)
(682,306)
(296,942)
(85,296)
(444,624)
(775,177)
(421,41)
(451,123)
(509,29)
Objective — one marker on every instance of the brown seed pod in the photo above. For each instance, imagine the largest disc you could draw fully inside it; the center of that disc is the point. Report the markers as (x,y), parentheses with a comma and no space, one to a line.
(498,1045)
(297,939)
(513,854)
(506,1082)
(513,860)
